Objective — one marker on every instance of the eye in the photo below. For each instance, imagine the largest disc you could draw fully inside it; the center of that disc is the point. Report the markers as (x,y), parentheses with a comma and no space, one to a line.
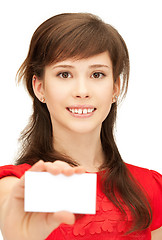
(64,74)
(98,75)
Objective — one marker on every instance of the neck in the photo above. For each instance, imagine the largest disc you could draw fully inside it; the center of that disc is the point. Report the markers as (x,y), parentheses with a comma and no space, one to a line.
(85,149)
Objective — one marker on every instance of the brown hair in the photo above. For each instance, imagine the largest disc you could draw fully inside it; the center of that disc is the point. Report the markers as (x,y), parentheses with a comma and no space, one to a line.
(81,35)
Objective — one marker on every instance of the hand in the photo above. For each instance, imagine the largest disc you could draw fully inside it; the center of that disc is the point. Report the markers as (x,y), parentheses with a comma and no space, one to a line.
(22,225)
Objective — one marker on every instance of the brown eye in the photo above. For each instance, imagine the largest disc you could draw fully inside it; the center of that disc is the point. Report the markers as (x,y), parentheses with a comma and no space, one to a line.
(64,75)
(97,75)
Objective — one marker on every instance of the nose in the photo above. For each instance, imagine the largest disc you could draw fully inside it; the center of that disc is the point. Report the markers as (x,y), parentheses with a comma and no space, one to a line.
(81,89)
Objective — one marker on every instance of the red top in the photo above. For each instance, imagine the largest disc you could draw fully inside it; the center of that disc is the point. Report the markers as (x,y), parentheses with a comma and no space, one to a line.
(107,223)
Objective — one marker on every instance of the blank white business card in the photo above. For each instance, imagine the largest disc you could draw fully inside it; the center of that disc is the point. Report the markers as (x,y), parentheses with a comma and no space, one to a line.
(45,192)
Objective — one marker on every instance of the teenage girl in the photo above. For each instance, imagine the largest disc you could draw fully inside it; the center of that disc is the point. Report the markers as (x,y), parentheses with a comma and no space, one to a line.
(76,70)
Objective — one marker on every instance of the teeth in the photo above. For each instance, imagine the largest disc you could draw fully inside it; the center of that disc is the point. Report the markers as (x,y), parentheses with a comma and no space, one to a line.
(81,111)
(85,111)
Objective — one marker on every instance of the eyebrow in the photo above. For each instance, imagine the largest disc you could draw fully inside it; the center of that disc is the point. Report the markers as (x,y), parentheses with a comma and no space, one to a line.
(62,66)
(91,66)
(99,65)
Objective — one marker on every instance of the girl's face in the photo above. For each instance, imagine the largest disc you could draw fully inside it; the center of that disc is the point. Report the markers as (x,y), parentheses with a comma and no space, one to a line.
(78,93)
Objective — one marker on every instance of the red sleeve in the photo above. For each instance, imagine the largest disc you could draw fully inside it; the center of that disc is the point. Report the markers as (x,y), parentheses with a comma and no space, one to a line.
(12,170)
(151,182)
(157,200)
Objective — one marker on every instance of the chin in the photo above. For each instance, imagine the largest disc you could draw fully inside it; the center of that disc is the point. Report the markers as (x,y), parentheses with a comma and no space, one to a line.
(85,128)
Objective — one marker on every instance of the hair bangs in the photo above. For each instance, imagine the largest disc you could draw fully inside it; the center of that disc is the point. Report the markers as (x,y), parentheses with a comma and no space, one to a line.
(82,41)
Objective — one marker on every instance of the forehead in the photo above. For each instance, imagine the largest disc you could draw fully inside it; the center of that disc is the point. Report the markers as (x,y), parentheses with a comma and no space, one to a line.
(99,59)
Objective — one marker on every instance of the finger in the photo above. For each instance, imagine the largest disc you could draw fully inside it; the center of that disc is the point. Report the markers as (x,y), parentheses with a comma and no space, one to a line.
(61,217)
(75,170)
(42,166)
(53,169)
(61,164)
(65,217)
(64,167)
(79,170)
(38,166)
(53,220)
(58,167)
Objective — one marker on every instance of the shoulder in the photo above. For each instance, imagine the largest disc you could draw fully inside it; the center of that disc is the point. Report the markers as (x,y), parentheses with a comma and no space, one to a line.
(137,170)
(150,180)
(12,170)
(151,183)
(143,175)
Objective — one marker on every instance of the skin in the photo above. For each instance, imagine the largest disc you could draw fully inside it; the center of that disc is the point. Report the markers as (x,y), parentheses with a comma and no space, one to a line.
(156,234)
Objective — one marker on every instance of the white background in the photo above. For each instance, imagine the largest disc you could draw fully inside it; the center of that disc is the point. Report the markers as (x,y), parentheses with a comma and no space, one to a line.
(139,129)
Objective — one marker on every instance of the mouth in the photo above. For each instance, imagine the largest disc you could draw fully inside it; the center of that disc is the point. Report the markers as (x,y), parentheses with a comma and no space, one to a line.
(81,111)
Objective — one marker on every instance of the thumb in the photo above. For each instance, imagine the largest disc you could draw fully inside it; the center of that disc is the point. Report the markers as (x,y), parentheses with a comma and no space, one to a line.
(60,217)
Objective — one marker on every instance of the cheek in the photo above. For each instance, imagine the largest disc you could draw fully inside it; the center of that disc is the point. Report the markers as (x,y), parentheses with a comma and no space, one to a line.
(107,94)
(53,99)
(106,99)
(54,94)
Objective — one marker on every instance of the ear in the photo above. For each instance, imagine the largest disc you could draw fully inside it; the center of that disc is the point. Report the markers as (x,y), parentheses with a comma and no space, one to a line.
(116,90)
(117,87)
(38,88)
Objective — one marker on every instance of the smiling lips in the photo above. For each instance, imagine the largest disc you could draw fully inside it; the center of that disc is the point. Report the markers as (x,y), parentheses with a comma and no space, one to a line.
(81,111)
